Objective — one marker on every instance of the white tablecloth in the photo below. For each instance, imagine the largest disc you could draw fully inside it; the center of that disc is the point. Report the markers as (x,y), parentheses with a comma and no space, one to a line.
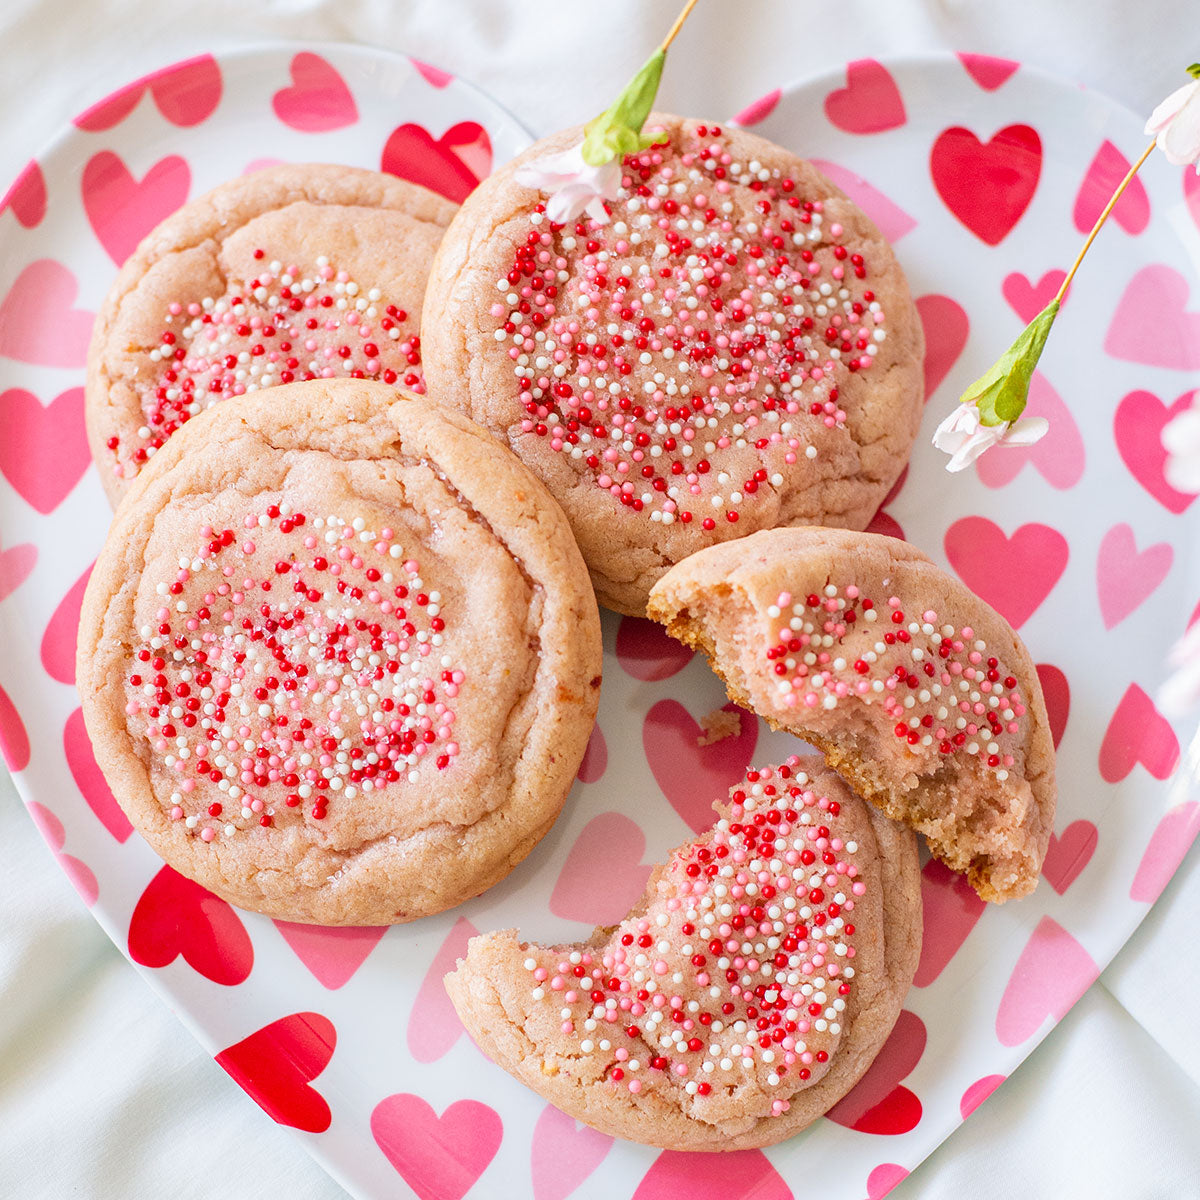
(102,1093)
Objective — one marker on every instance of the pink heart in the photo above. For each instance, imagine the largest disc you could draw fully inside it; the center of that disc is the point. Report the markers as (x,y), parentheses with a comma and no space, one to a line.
(1058,457)
(987,185)
(434,76)
(1028,299)
(1014,575)
(1152,324)
(433,1025)
(691,776)
(175,916)
(1108,168)
(59,640)
(987,71)
(1191,194)
(1066,856)
(595,757)
(564,1154)
(647,652)
(89,779)
(1054,970)
(946,328)
(38,324)
(14,741)
(1125,578)
(952,908)
(892,220)
(80,874)
(1172,838)
(1057,694)
(318,99)
(885,524)
(276,1064)
(1137,426)
(1137,733)
(883,1178)
(879,1102)
(452,165)
(440,1158)
(120,210)
(739,1175)
(604,876)
(869,103)
(331,953)
(186,93)
(758,110)
(27,196)
(977,1093)
(15,564)
(43,448)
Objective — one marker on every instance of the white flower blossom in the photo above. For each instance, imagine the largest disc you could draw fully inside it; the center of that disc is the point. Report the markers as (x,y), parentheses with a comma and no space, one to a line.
(965,437)
(1181,440)
(1176,125)
(1181,692)
(573,185)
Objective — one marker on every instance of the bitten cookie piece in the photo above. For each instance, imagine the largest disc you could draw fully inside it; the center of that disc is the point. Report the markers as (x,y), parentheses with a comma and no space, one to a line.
(302,271)
(339,657)
(742,998)
(736,349)
(918,692)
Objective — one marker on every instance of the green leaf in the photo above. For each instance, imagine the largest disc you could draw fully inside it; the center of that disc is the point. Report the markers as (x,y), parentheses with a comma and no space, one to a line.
(1194,70)
(1001,392)
(617,131)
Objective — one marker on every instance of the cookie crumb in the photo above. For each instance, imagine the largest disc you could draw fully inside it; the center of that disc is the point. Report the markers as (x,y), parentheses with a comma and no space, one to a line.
(718,725)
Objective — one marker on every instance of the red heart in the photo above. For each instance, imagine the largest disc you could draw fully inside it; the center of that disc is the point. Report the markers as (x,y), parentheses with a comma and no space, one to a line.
(59,640)
(740,1175)
(946,328)
(1153,325)
(1058,457)
(977,1093)
(1137,733)
(1057,693)
(647,652)
(563,1154)
(1028,299)
(332,953)
(1066,856)
(604,876)
(432,75)
(869,103)
(27,196)
(120,210)
(878,1102)
(79,873)
(15,564)
(1054,970)
(43,448)
(1014,575)
(1108,168)
(1168,845)
(595,757)
(885,524)
(89,779)
(433,1025)
(186,93)
(1191,194)
(276,1063)
(691,776)
(1137,427)
(440,1158)
(987,71)
(177,916)
(14,741)
(758,110)
(451,165)
(318,99)
(987,185)
(1125,577)
(951,909)
(38,324)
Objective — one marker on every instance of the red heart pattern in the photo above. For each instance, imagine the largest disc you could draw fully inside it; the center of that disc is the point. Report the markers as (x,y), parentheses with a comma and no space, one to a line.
(186,93)
(758,110)
(1068,854)
(38,324)
(433,1025)
(564,1154)
(977,1093)
(1125,578)
(946,328)
(332,953)
(1028,299)
(14,741)
(122,210)
(892,220)
(952,908)
(451,165)
(43,448)
(869,103)
(1137,427)
(1170,842)
(987,185)
(646,651)
(879,1102)
(595,757)
(26,199)
(89,779)
(276,1065)
(177,916)
(440,1158)
(740,1175)
(1137,733)
(1108,168)
(990,73)
(1058,457)
(15,565)
(318,100)
(59,640)
(1153,324)
(1057,693)
(604,876)
(80,874)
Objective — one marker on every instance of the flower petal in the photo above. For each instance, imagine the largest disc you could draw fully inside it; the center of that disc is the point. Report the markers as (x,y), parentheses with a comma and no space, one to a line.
(1026,431)
(1163,114)
(1180,140)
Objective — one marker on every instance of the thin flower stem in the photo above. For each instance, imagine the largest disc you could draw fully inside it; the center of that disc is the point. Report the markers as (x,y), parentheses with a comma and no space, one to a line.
(1112,203)
(679,20)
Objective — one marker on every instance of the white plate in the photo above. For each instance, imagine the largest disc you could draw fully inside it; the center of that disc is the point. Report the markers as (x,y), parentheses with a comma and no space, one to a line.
(1079,542)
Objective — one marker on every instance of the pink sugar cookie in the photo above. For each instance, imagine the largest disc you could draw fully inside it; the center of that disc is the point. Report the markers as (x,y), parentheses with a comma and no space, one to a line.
(296,272)
(735,349)
(918,692)
(339,657)
(742,998)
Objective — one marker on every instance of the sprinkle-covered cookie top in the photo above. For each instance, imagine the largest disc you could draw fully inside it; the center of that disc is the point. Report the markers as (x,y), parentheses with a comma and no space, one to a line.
(741,966)
(690,354)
